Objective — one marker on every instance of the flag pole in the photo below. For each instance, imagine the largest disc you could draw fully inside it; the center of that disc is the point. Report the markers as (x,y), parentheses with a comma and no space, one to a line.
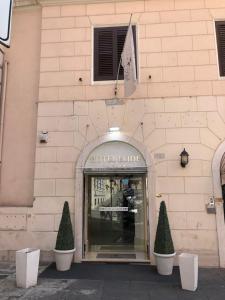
(118,70)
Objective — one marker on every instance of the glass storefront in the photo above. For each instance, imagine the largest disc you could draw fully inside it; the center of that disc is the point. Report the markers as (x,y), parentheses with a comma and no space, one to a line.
(116,219)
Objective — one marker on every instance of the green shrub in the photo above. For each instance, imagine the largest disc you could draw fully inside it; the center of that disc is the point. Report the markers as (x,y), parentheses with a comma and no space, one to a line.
(163,239)
(65,238)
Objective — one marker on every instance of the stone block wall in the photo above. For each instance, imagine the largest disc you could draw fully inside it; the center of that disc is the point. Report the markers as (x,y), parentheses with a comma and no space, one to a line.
(186,191)
(176,46)
(182,105)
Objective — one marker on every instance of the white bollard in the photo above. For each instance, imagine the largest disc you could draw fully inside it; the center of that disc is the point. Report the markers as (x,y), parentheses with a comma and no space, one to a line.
(27,263)
(188,264)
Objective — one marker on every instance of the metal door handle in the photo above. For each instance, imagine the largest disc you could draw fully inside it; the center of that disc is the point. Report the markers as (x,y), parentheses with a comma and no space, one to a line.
(135,211)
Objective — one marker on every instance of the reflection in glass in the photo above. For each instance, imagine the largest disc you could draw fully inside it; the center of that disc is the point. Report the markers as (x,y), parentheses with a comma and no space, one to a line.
(116,213)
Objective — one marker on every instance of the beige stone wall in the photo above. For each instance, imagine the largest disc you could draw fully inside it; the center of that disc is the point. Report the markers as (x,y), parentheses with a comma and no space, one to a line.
(182,105)
(73,124)
(176,46)
(19,132)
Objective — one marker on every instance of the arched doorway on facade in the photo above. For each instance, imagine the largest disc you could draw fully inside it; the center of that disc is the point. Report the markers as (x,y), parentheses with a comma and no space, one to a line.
(218,172)
(112,192)
(222,178)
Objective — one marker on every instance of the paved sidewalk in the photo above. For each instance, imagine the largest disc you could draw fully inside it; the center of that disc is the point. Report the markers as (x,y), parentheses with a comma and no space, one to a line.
(211,287)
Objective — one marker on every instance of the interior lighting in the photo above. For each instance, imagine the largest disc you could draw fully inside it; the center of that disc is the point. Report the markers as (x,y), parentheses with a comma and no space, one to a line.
(114,129)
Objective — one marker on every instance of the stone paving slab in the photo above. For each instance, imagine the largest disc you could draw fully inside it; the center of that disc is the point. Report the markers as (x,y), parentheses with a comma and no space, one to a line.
(211,287)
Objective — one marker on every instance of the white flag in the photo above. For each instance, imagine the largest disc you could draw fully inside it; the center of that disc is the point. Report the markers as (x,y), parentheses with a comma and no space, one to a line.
(129,64)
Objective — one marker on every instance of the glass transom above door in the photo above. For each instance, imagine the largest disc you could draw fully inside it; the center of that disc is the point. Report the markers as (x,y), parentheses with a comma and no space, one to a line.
(116,155)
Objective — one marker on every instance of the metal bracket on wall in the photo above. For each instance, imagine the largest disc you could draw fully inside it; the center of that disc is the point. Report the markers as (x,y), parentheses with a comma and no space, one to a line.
(211,207)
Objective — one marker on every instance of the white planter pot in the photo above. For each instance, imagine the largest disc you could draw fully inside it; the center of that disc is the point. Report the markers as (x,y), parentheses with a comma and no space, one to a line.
(27,262)
(164,263)
(188,264)
(63,259)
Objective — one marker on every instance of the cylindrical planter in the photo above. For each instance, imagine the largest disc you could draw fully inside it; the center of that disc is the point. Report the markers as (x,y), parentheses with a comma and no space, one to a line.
(63,259)
(164,263)
(27,262)
(188,264)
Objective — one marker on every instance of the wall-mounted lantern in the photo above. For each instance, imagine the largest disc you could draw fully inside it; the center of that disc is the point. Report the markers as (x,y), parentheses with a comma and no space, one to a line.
(184,158)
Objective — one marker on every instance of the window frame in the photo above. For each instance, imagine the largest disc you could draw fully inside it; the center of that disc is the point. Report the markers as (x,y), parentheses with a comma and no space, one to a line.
(112,81)
(220,77)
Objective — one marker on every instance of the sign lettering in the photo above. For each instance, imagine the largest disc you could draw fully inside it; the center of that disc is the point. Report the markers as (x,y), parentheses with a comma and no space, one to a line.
(116,208)
(114,158)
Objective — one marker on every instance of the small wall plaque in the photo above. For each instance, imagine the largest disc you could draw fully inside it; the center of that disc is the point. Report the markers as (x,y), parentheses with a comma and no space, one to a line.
(159,156)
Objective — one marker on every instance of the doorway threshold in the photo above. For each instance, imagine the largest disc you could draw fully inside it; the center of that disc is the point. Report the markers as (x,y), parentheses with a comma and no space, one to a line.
(116,260)
(116,257)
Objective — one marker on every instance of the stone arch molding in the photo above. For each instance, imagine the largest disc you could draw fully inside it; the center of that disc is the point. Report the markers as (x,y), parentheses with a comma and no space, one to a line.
(79,188)
(217,193)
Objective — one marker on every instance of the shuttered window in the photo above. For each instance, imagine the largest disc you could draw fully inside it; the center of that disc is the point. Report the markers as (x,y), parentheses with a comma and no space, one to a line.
(108,46)
(220,35)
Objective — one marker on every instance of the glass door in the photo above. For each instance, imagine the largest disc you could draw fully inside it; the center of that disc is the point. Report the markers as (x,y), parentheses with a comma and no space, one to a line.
(116,214)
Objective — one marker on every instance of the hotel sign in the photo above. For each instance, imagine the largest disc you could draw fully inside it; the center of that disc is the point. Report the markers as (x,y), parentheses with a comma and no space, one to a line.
(116,154)
(115,158)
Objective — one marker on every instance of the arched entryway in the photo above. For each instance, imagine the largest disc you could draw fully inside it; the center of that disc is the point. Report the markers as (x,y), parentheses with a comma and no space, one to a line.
(222,178)
(218,170)
(106,172)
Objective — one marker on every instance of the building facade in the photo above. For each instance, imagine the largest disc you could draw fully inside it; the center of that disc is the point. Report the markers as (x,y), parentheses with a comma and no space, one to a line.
(58,138)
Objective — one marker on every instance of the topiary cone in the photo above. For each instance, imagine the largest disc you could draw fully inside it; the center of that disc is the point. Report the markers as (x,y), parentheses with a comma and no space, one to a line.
(65,238)
(163,239)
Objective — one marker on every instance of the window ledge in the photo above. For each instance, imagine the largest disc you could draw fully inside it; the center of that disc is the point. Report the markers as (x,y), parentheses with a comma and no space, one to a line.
(107,82)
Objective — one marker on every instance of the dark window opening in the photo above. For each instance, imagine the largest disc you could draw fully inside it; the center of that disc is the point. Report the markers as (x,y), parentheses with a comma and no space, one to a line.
(108,46)
(220,36)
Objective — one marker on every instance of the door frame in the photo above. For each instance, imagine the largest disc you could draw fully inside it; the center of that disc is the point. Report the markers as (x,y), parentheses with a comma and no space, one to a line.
(87,186)
(79,189)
